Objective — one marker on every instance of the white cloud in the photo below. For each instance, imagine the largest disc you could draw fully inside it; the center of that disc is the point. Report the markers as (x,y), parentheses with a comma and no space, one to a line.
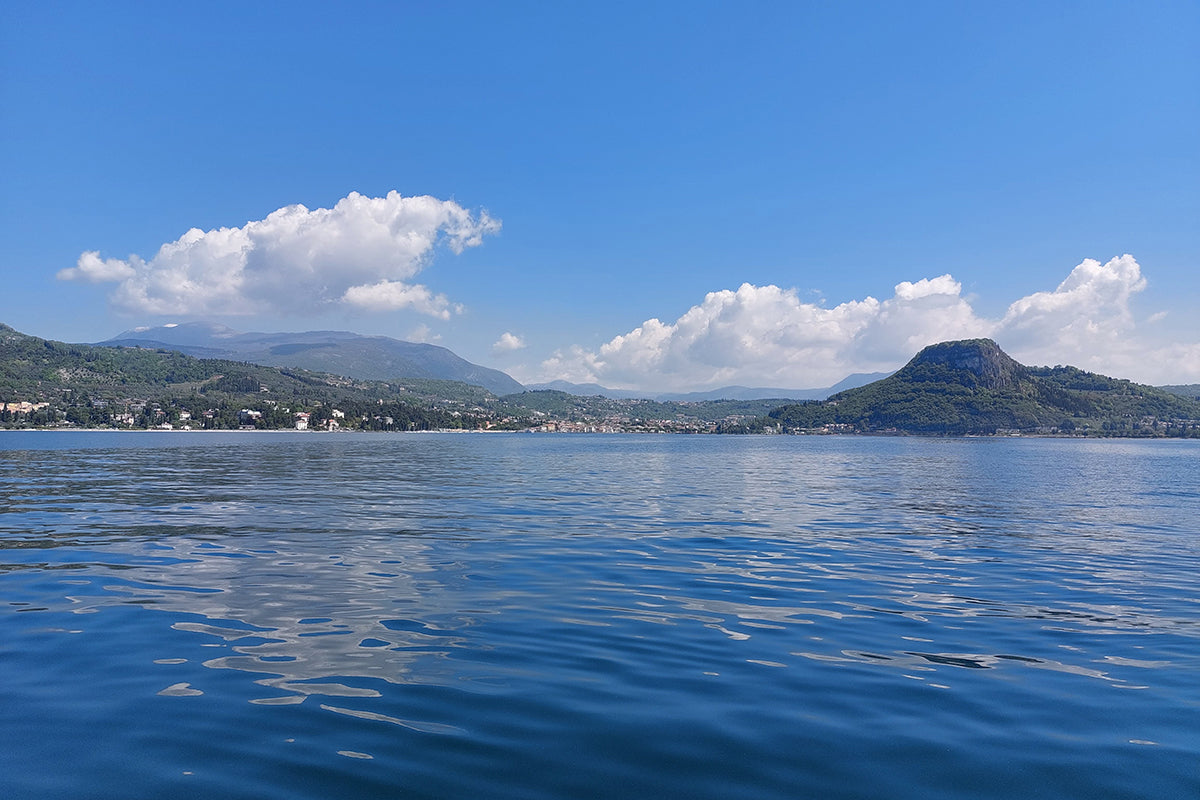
(507,343)
(422,333)
(1086,321)
(395,295)
(93,269)
(768,336)
(363,253)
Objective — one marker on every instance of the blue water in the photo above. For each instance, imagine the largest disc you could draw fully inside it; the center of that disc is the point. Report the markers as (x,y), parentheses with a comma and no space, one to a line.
(522,616)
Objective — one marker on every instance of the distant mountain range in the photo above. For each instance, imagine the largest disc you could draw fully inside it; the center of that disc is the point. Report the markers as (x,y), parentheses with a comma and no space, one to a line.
(48,384)
(381,358)
(352,355)
(974,387)
(952,388)
(724,393)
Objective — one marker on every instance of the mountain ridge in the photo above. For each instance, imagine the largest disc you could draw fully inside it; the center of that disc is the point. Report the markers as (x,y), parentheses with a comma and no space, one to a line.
(50,384)
(374,357)
(722,393)
(352,355)
(953,388)
(973,387)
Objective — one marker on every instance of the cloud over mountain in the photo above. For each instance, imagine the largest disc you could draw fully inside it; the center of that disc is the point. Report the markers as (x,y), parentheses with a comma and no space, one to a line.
(765,335)
(1086,318)
(363,252)
(507,343)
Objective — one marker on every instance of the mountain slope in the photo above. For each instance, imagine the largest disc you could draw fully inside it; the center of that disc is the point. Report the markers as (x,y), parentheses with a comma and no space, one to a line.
(40,369)
(50,384)
(336,352)
(974,387)
(54,384)
(724,393)
(1189,390)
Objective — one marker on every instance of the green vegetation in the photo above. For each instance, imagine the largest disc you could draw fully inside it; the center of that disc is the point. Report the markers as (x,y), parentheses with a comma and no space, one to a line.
(973,387)
(577,408)
(1189,390)
(45,383)
(953,388)
(51,384)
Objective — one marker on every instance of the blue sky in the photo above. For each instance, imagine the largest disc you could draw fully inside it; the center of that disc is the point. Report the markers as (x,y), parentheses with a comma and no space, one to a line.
(647,195)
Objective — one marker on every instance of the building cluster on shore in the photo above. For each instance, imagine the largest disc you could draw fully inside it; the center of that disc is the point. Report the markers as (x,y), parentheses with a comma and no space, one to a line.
(268,414)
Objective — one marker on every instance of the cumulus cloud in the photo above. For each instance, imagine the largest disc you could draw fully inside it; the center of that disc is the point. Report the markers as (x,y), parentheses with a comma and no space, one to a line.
(1085,321)
(362,253)
(422,333)
(507,343)
(768,336)
(92,269)
(394,295)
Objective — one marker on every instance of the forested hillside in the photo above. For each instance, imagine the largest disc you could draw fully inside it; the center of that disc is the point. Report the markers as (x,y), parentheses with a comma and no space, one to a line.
(973,387)
(48,383)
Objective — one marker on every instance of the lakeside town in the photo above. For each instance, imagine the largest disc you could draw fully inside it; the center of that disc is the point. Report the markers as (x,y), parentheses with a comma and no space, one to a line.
(967,387)
(445,414)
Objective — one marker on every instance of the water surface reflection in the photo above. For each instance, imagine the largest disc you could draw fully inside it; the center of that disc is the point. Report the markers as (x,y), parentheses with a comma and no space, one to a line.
(522,596)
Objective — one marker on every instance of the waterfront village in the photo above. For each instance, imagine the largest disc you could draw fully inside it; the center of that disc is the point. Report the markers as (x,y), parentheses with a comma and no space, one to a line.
(559,413)
(437,415)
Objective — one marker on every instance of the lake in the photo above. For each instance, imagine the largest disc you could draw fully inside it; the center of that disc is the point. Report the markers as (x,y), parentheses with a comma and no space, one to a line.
(291,615)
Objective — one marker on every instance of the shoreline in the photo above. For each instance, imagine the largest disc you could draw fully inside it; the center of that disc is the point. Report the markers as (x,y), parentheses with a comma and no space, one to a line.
(461,431)
(239,430)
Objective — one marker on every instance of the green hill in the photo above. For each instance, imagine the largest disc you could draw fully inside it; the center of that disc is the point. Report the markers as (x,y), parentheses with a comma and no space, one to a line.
(974,387)
(573,407)
(371,358)
(969,387)
(1189,390)
(97,386)
(52,384)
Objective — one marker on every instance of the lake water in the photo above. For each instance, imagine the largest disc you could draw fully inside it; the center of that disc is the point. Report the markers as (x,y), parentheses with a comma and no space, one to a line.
(524,616)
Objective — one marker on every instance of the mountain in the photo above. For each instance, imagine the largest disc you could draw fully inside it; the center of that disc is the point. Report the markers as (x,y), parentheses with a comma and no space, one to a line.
(1190,390)
(724,393)
(974,387)
(952,388)
(44,383)
(586,390)
(48,384)
(854,381)
(352,355)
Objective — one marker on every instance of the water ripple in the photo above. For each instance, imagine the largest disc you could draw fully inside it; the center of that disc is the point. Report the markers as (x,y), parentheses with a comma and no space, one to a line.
(647,616)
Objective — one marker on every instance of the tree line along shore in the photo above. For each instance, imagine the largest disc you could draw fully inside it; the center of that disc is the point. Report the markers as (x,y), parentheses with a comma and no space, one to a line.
(968,387)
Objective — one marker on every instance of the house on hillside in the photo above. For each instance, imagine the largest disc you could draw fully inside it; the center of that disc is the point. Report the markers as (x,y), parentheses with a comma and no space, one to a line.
(247,417)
